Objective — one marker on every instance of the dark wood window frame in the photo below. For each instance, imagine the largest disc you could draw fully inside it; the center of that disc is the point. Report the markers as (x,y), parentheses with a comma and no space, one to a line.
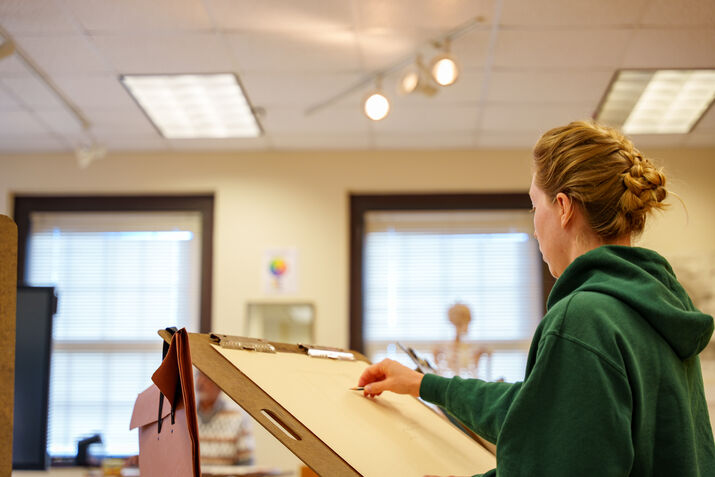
(361,204)
(204,204)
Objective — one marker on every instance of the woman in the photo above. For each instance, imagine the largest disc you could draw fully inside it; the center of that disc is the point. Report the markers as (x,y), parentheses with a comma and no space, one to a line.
(613,384)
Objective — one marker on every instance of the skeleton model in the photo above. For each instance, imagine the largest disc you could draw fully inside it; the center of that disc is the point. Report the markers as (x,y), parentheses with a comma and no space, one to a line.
(459,358)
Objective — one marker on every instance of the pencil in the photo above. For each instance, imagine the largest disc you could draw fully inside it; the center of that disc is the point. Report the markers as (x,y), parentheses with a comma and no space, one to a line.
(358,388)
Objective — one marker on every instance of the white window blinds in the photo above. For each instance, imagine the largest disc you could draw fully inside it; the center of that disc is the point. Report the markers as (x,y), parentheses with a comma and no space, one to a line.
(418,264)
(119,277)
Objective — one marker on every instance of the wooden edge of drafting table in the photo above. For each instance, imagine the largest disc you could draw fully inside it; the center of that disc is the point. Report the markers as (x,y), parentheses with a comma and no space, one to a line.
(8,296)
(270,414)
(256,402)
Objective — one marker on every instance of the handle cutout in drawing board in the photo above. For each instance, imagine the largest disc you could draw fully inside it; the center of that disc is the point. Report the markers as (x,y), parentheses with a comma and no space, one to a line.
(280,424)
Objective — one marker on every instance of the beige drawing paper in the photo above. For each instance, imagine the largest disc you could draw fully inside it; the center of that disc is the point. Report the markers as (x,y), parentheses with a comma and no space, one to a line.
(389,435)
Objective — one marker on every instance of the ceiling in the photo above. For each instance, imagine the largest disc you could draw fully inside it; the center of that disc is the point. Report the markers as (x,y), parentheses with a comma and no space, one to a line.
(528,65)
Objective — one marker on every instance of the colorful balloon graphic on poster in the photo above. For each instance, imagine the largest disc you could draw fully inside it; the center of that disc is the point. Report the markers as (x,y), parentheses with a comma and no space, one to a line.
(280,271)
(278,268)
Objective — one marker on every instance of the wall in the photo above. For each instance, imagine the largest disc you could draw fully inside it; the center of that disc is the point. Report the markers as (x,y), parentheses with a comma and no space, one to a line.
(301,199)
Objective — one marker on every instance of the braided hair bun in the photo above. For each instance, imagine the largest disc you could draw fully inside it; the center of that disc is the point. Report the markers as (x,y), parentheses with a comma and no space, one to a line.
(644,190)
(600,169)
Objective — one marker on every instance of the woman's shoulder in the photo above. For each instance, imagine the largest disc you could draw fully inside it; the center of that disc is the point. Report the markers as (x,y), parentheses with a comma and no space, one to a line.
(587,314)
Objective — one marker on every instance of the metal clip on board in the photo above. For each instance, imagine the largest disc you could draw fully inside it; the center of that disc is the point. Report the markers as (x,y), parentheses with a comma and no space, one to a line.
(326,352)
(240,342)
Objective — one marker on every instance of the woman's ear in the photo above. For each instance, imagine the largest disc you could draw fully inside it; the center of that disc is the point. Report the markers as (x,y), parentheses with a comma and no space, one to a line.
(566,208)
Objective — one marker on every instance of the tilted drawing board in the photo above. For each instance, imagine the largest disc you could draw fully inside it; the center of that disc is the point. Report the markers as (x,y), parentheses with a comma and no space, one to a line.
(306,403)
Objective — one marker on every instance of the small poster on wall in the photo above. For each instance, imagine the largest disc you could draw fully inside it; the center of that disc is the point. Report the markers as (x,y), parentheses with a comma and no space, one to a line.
(280,271)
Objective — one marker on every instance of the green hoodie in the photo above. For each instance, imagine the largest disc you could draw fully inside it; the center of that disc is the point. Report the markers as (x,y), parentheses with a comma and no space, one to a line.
(613,385)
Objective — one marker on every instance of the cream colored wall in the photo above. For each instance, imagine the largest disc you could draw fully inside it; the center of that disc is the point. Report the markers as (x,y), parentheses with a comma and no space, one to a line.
(301,199)
(680,229)
(272,200)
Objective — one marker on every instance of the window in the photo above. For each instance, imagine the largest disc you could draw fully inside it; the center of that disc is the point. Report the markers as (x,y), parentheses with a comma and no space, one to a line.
(415,264)
(120,275)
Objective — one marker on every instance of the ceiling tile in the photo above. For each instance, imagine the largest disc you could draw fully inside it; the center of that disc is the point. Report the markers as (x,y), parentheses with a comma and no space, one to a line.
(20,123)
(42,17)
(31,144)
(60,121)
(380,51)
(450,140)
(557,87)
(229,144)
(565,49)
(96,91)
(12,65)
(64,54)
(168,53)
(669,48)
(699,139)
(107,123)
(338,141)
(545,13)
(429,120)
(319,51)
(652,141)
(32,92)
(707,123)
(467,88)
(300,90)
(552,62)
(333,119)
(690,13)
(471,50)
(443,15)
(534,118)
(8,102)
(140,15)
(353,99)
(281,15)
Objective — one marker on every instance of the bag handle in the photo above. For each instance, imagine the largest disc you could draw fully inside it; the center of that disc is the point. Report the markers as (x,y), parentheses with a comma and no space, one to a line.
(164,351)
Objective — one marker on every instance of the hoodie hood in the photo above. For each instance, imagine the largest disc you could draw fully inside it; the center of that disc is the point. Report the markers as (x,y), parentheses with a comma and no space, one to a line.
(645,281)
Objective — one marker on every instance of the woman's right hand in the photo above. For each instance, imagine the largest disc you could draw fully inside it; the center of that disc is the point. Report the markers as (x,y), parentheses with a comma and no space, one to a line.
(389,375)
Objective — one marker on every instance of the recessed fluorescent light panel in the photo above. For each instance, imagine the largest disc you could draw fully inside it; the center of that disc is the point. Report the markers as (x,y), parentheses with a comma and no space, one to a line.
(657,102)
(194,106)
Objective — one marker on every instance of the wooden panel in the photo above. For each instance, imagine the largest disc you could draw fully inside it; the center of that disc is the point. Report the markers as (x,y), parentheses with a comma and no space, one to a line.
(8,295)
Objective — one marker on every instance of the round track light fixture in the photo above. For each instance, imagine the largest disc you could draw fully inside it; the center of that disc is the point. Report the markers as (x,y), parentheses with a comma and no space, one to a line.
(444,68)
(376,106)
(409,81)
(417,80)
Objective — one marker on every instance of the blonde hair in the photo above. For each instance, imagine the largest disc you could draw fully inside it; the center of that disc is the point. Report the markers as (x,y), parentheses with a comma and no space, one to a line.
(601,170)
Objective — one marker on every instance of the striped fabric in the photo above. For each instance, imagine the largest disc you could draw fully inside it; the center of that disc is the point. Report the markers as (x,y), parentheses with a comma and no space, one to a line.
(225,435)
